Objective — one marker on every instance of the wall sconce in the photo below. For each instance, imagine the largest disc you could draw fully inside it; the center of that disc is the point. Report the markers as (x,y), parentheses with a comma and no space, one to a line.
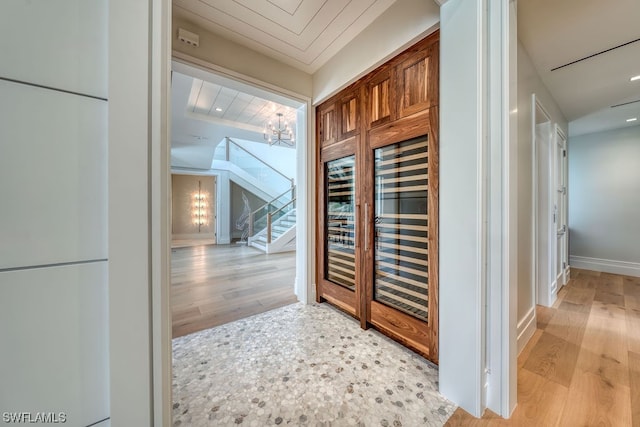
(199,212)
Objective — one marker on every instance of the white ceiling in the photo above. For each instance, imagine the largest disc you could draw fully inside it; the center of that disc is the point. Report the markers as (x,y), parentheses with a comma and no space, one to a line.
(558,32)
(301,33)
(196,124)
(224,106)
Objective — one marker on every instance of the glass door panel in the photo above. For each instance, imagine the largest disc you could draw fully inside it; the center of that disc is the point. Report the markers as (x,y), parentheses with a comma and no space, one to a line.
(340,254)
(401,274)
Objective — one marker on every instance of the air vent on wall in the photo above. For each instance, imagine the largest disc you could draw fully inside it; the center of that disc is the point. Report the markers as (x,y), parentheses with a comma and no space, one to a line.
(188,37)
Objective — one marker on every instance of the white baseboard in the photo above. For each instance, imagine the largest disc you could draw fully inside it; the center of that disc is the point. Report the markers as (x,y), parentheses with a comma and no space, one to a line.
(193,236)
(526,328)
(605,265)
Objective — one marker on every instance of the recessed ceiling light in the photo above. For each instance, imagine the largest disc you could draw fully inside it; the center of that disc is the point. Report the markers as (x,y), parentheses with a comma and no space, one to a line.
(633,119)
(634,78)
(218,109)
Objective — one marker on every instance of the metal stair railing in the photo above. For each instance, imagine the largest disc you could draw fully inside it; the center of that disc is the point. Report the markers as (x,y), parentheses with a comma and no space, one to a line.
(270,218)
(272,208)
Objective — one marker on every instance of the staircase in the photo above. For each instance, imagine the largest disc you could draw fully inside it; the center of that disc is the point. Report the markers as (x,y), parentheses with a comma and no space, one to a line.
(283,235)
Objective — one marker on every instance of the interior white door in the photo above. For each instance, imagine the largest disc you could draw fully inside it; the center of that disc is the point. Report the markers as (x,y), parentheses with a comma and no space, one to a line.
(544,189)
(546,214)
(560,178)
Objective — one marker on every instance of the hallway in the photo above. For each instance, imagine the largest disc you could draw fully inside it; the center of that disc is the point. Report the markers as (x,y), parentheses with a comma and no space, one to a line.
(582,366)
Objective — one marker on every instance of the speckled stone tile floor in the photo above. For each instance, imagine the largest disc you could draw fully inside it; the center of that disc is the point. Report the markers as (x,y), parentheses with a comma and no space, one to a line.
(307,365)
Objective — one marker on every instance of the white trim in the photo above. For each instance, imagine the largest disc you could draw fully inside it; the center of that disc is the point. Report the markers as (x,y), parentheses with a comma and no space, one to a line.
(160,211)
(501,196)
(605,265)
(509,383)
(305,206)
(526,328)
(483,127)
(534,202)
(192,61)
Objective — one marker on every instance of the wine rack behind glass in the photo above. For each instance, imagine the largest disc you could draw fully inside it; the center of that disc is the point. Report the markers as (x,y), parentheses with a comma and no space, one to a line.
(340,226)
(401,227)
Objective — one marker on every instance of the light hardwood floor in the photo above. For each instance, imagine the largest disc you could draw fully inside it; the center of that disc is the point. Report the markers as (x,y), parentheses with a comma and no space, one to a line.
(582,366)
(216,284)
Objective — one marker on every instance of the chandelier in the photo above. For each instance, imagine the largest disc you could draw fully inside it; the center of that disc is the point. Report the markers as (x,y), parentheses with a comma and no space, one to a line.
(280,134)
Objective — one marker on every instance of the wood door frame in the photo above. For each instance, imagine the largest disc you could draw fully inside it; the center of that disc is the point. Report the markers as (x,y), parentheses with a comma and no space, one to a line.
(343,298)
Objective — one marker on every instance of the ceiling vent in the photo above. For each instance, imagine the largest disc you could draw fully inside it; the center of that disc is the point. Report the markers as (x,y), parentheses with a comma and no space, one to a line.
(595,54)
(192,39)
(625,103)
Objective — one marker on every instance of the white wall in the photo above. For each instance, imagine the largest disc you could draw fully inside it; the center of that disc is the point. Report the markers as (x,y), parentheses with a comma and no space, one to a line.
(461,240)
(477,205)
(139,230)
(528,83)
(400,26)
(54,322)
(604,201)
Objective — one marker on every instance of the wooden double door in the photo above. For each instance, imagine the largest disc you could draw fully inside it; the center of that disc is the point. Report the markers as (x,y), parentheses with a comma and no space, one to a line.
(377,227)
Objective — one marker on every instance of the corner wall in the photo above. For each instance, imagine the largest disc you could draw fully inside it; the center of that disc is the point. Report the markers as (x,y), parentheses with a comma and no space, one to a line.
(604,201)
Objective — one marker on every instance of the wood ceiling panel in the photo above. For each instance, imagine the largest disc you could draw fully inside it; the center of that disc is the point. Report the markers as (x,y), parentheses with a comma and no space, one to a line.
(205,99)
(289,6)
(239,107)
(295,15)
(236,110)
(302,33)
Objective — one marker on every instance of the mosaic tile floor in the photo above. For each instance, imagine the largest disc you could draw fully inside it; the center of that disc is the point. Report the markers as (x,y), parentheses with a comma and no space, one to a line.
(307,365)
